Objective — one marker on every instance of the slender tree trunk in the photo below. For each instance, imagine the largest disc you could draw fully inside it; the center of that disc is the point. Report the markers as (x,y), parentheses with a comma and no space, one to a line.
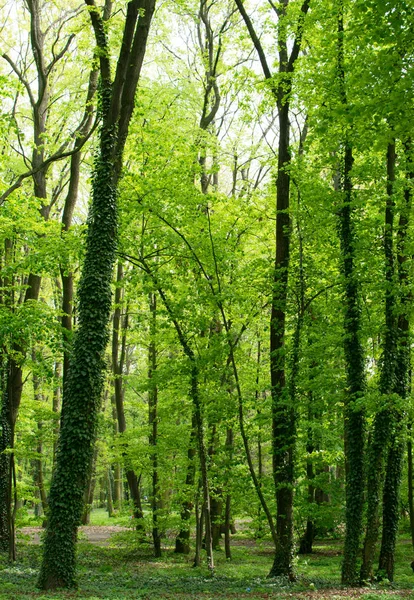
(283,412)
(227,514)
(118,361)
(90,490)
(109,492)
(198,416)
(38,466)
(410,473)
(153,423)
(306,542)
(199,514)
(182,542)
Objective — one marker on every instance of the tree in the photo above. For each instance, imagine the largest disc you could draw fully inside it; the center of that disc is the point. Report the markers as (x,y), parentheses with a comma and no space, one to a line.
(81,397)
(283,413)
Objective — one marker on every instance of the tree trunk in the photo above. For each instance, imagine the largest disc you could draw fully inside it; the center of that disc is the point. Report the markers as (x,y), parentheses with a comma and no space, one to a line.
(182,542)
(354,426)
(410,484)
(199,514)
(89,492)
(118,360)
(153,423)
(378,447)
(82,393)
(306,542)
(402,385)
(227,514)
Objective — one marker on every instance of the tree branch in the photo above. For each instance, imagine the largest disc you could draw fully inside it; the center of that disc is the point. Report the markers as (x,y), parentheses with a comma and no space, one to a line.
(21,77)
(256,42)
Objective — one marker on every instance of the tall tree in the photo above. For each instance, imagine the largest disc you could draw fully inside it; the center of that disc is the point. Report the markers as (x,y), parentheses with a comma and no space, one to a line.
(283,411)
(46,62)
(81,398)
(354,427)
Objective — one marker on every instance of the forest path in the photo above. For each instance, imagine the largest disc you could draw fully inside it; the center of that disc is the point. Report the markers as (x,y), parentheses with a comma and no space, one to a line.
(95,534)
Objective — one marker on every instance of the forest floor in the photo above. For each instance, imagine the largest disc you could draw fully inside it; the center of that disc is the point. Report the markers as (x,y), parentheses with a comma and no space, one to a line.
(113,565)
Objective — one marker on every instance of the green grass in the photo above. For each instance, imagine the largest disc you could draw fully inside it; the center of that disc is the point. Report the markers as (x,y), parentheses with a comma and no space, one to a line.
(125,570)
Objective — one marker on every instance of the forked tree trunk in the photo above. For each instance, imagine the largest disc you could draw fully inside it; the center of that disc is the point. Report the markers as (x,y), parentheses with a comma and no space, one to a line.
(283,411)
(82,393)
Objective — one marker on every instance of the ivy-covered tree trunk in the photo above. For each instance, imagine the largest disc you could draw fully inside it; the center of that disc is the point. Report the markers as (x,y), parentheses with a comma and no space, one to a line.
(354,426)
(5,467)
(82,392)
(354,420)
(391,495)
(67,216)
(378,447)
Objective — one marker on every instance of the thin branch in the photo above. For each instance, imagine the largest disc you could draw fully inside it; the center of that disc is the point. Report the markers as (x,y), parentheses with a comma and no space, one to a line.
(60,54)
(55,157)
(21,77)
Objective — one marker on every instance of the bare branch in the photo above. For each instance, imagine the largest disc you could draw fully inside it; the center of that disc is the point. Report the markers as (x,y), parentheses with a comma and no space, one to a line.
(60,54)
(53,158)
(21,77)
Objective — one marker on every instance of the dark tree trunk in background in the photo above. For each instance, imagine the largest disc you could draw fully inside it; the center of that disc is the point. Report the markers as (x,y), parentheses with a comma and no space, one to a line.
(182,542)
(153,423)
(119,329)
(402,387)
(378,447)
(410,474)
